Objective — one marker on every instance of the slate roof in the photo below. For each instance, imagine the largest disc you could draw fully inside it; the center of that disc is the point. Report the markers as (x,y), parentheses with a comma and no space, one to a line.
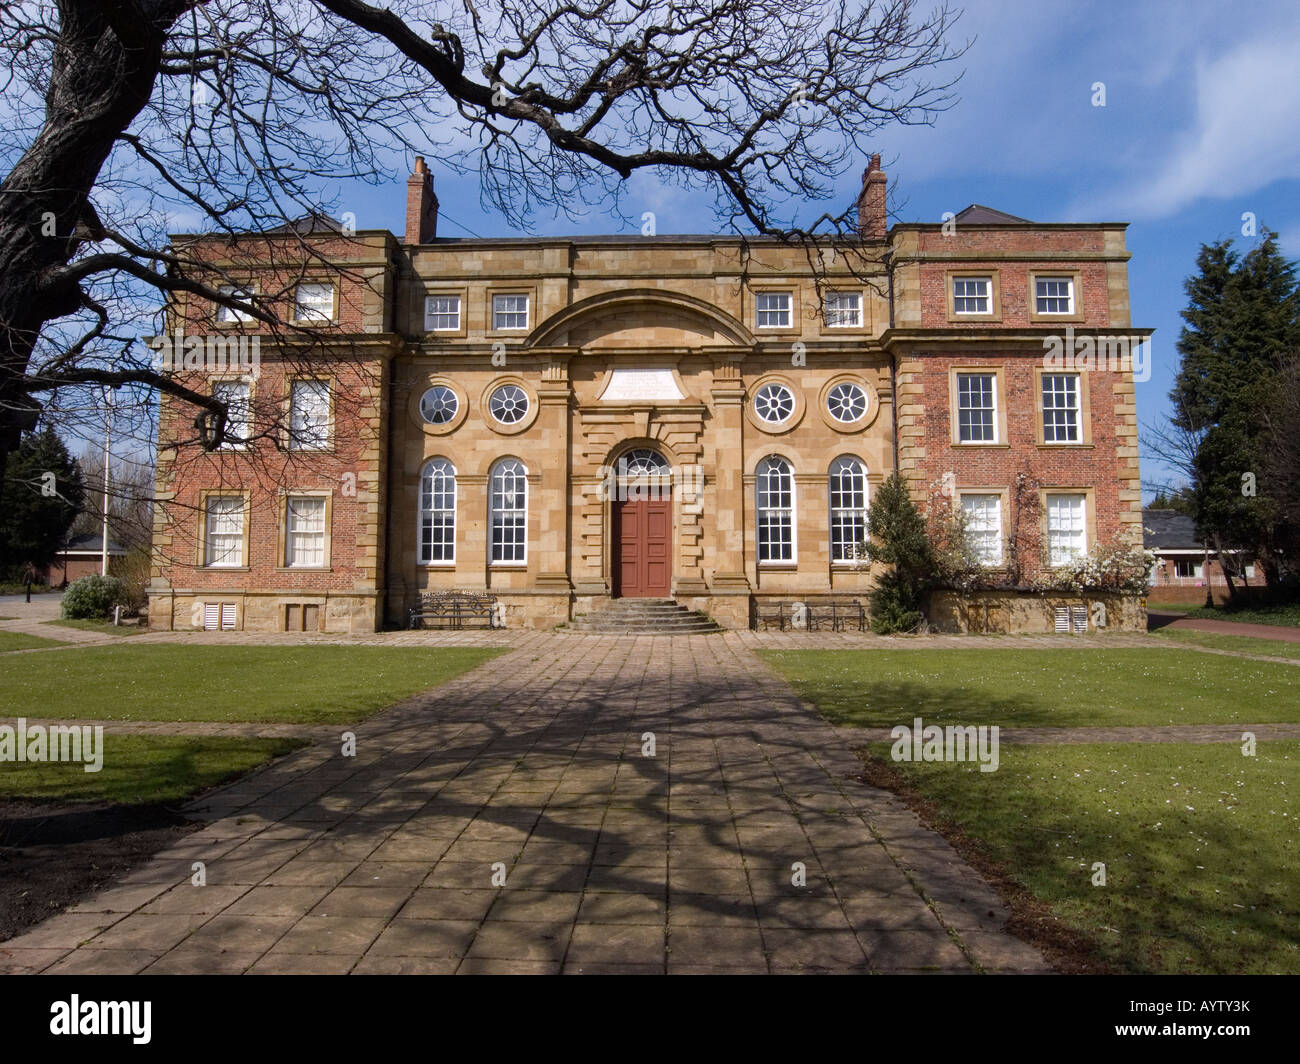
(1169,530)
(978,214)
(90,544)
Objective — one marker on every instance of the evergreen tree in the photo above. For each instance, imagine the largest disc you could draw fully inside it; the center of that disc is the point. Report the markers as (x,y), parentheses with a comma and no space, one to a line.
(1242,321)
(897,536)
(43,495)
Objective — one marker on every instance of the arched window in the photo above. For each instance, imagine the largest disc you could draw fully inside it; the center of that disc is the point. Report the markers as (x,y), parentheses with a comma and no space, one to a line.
(509,506)
(848,492)
(438,512)
(774,490)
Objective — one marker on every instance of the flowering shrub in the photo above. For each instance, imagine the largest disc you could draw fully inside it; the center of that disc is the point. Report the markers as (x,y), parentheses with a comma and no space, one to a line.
(1103,568)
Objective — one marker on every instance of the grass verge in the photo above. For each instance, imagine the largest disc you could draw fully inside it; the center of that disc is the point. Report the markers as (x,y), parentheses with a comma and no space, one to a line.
(1287,614)
(23,641)
(1036,688)
(1238,644)
(142,768)
(285,684)
(1199,845)
(107,627)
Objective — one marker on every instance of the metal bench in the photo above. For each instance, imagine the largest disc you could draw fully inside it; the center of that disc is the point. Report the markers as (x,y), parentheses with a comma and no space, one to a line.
(454,609)
(834,615)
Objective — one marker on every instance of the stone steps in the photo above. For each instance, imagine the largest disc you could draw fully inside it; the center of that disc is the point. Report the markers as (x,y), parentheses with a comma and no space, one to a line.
(644,617)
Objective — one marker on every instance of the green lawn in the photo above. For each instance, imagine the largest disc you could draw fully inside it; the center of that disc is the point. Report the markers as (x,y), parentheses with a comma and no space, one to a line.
(1241,644)
(1039,688)
(140,768)
(107,627)
(23,641)
(1200,844)
(1168,607)
(307,684)
(1284,614)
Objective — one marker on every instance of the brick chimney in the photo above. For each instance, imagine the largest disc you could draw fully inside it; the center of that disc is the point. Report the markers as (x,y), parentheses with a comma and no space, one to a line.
(421,205)
(872,222)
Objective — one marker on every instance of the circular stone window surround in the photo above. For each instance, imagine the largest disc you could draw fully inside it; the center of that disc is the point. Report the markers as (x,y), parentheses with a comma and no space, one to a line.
(485,405)
(775,428)
(421,387)
(873,403)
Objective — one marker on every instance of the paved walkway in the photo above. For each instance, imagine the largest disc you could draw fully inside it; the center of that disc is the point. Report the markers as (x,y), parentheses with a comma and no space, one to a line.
(1286,633)
(744,844)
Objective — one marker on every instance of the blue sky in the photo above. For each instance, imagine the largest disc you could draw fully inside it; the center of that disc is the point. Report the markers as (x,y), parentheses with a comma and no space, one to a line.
(1200,126)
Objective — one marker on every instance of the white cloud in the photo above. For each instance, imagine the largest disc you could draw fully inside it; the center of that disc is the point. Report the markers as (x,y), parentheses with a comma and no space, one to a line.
(1245,134)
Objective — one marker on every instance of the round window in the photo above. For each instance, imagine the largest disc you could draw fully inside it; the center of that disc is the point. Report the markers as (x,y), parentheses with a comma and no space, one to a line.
(774,403)
(508,404)
(846,402)
(439,405)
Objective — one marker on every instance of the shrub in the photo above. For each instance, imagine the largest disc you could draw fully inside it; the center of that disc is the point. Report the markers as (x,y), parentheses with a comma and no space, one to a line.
(93,597)
(1113,567)
(898,538)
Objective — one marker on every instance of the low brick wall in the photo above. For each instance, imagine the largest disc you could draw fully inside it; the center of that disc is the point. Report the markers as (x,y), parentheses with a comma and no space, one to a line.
(1032,612)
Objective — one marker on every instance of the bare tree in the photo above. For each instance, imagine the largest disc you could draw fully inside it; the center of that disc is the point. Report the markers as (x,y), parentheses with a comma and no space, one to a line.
(126,117)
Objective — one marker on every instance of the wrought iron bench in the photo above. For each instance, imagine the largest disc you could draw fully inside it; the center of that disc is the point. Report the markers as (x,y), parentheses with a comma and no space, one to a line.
(835,615)
(454,609)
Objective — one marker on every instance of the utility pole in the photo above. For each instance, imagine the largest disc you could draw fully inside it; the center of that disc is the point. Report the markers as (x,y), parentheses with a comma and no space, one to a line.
(108,432)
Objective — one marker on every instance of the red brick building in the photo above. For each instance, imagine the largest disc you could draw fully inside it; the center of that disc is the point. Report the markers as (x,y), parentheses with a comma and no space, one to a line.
(562,422)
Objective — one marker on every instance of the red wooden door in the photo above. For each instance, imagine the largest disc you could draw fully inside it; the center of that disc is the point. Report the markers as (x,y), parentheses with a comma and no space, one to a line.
(643,533)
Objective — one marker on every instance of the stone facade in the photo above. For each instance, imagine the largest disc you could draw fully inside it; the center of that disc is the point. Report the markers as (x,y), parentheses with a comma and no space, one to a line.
(714,354)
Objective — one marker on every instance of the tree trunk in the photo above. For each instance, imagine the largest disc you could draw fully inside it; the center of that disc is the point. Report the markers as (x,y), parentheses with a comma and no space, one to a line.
(1223,568)
(102,75)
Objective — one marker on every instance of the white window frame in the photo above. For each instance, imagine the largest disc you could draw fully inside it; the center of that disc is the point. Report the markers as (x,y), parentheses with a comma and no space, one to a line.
(229,315)
(320,309)
(768,516)
(498,512)
(767,389)
(775,311)
(843,317)
(984,294)
(992,410)
(239,419)
(294,536)
(211,558)
(448,397)
(1055,554)
(847,516)
(430,313)
(1198,570)
(501,307)
(299,426)
(435,467)
(1075,422)
(985,538)
(1040,296)
(841,387)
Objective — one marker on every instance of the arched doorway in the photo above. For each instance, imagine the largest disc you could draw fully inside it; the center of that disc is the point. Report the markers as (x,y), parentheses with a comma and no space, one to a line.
(641,524)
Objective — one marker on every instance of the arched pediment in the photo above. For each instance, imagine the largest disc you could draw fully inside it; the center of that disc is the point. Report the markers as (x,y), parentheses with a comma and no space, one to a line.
(640,317)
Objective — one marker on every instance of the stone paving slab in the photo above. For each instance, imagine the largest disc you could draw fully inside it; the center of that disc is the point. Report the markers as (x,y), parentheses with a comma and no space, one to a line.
(514,820)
